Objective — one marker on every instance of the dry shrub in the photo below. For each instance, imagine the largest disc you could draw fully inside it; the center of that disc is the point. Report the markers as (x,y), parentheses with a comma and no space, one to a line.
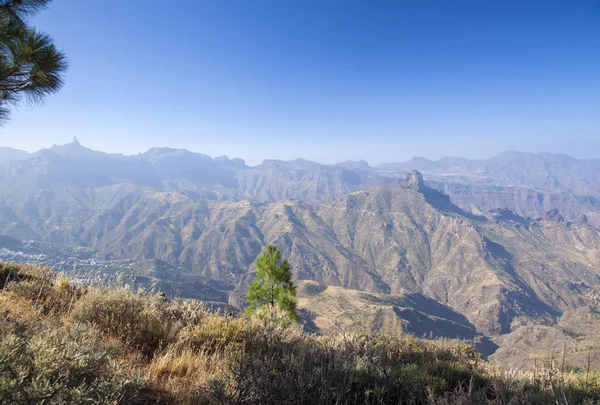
(182,314)
(216,334)
(187,375)
(135,319)
(49,297)
(56,366)
(281,364)
(13,273)
(17,312)
(10,272)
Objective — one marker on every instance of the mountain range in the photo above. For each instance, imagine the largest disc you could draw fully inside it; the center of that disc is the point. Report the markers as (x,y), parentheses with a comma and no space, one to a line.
(476,249)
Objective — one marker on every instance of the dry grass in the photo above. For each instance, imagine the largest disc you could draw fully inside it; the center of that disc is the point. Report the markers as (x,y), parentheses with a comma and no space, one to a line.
(186,375)
(110,345)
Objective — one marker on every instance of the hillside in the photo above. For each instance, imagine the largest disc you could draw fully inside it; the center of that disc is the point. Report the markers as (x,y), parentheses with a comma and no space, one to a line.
(62,343)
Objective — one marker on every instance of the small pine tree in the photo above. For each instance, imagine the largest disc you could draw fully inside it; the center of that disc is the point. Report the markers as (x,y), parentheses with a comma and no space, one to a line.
(272,286)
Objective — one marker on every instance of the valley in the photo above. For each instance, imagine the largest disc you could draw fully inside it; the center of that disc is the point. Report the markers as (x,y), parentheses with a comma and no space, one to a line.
(446,253)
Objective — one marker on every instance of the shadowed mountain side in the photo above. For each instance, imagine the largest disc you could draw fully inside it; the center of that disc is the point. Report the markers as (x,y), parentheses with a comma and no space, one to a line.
(414,181)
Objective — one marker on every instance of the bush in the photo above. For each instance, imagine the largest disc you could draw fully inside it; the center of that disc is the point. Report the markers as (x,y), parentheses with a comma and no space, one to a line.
(184,313)
(186,375)
(9,272)
(135,319)
(12,273)
(54,299)
(55,366)
(216,334)
(281,364)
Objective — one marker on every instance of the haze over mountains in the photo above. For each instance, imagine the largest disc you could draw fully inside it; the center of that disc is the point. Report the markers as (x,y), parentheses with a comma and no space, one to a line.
(529,184)
(471,248)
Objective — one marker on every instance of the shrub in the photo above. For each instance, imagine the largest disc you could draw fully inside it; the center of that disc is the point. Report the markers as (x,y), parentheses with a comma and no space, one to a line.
(50,298)
(195,357)
(55,366)
(184,313)
(187,375)
(10,272)
(133,318)
(216,334)
(281,364)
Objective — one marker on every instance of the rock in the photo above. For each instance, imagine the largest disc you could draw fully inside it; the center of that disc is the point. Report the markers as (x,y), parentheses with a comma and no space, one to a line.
(413,181)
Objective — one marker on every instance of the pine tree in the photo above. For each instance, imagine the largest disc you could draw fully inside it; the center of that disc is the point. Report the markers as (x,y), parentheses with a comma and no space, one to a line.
(30,64)
(272,286)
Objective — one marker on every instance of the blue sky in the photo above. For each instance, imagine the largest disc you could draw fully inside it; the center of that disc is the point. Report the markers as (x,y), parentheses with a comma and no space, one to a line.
(321,79)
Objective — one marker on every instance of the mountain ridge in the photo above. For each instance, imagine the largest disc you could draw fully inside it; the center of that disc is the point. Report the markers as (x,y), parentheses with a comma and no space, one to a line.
(537,182)
(413,163)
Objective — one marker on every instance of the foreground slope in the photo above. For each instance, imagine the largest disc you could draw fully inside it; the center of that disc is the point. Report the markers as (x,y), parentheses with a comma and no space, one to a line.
(61,343)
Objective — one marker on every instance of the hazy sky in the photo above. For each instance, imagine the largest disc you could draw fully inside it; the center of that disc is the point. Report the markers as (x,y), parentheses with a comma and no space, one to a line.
(321,79)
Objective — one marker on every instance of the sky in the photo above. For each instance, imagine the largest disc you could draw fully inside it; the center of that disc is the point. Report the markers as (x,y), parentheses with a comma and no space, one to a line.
(323,80)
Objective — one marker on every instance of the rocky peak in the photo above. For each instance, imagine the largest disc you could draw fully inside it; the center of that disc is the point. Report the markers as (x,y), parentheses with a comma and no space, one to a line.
(414,181)
(73,149)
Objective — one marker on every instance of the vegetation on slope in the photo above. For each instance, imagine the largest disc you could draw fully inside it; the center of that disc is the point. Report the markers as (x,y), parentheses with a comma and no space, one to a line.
(272,286)
(62,343)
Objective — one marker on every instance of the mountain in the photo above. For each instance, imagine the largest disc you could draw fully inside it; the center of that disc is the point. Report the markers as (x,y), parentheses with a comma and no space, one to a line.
(166,169)
(399,253)
(543,171)
(311,182)
(525,201)
(528,184)
(336,309)
(488,250)
(10,155)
